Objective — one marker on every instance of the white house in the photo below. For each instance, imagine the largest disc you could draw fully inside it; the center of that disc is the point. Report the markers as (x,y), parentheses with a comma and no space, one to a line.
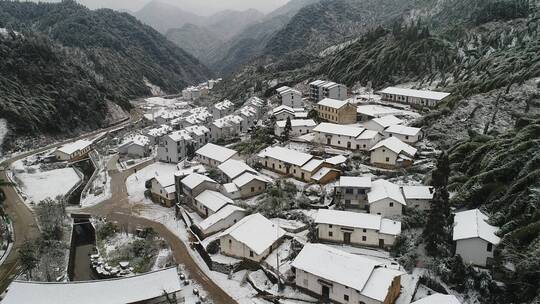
(381,123)
(352,191)
(174,146)
(418,197)
(290,97)
(213,155)
(283,112)
(385,199)
(475,238)
(345,136)
(342,277)
(155,134)
(413,97)
(222,109)
(242,180)
(392,152)
(406,134)
(227,126)
(233,168)
(298,127)
(193,185)
(252,238)
(368,112)
(353,228)
(221,220)
(320,89)
(136,145)
(438,298)
(163,190)
(73,151)
(200,135)
(209,202)
(249,117)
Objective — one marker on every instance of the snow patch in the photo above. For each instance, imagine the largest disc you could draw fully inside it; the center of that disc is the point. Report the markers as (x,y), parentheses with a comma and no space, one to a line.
(156,90)
(48,184)
(136,182)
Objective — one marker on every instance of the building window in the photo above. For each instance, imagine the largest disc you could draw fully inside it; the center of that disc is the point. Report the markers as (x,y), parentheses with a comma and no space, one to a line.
(346,297)
(489,247)
(329,226)
(330,233)
(349,191)
(391,204)
(384,150)
(252,189)
(387,159)
(364,238)
(364,230)
(407,137)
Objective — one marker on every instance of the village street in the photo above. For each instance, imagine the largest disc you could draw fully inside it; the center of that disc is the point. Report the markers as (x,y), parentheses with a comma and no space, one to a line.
(118,209)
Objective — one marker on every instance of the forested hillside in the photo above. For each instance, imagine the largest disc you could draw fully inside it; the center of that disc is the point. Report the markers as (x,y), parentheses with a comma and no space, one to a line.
(501,175)
(62,62)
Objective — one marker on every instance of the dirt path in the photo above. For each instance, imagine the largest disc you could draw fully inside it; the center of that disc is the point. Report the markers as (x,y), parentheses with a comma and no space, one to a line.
(118,209)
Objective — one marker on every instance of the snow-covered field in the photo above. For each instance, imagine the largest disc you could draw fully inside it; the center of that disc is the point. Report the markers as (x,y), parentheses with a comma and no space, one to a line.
(135,182)
(47,184)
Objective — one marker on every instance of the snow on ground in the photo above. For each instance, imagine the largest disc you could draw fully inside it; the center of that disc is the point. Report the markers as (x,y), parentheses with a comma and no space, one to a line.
(3,132)
(162,258)
(100,189)
(47,184)
(136,182)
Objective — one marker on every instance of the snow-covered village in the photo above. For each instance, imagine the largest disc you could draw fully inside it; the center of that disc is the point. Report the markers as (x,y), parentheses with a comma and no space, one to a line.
(269,152)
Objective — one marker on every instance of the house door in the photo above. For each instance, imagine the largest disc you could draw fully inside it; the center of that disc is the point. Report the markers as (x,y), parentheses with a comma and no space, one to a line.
(328,140)
(346,237)
(381,243)
(325,292)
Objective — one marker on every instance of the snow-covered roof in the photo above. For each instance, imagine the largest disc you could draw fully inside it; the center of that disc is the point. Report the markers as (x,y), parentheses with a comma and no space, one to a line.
(297,123)
(170,189)
(286,155)
(312,164)
(222,214)
(247,177)
(187,171)
(225,104)
(332,103)
(284,90)
(322,172)
(75,146)
(230,187)
(228,121)
(180,135)
(336,160)
(355,181)
(291,110)
(381,189)
(159,131)
(331,128)
(233,168)
(415,93)
(365,275)
(376,110)
(133,289)
(216,152)
(473,224)
(194,179)
(391,227)
(396,145)
(403,130)
(387,121)
(317,82)
(438,298)
(368,134)
(197,130)
(136,139)
(213,200)
(256,101)
(348,219)
(256,232)
(418,192)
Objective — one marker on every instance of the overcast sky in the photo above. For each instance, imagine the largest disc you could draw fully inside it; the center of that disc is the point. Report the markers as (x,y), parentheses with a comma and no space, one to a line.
(200,7)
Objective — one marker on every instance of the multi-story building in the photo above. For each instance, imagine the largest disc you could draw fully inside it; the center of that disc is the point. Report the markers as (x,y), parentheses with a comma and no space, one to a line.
(320,89)
(413,97)
(336,111)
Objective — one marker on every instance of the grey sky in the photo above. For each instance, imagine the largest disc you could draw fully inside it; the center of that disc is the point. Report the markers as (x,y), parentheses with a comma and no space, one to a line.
(200,7)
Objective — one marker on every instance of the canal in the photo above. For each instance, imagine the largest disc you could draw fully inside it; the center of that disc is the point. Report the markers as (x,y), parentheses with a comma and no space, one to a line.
(82,246)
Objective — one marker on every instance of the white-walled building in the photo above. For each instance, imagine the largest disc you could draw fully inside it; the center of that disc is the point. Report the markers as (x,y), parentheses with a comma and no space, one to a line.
(221,220)
(345,278)
(199,134)
(353,228)
(352,191)
(252,238)
(249,117)
(290,97)
(283,112)
(413,97)
(418,197)
(193,185)
(155,134)
(298,127)
(320,89)
(368,112)
(209,202)
(73,151)
(475,238)
(385,199)
(232,168)
(392,152)
(172,148)
(163,190)
(343,136)
(242,180)
(222,109)
(227,126)
(406,134)
(136,145)
(213,155)
(381,123)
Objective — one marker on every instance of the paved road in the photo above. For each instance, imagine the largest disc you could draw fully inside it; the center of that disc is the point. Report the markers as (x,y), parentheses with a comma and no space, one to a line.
(118,209)
(24,224)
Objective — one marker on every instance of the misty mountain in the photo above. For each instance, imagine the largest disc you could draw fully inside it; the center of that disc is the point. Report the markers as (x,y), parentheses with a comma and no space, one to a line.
(196,40)
(63,65)
(163,16)
(228,23)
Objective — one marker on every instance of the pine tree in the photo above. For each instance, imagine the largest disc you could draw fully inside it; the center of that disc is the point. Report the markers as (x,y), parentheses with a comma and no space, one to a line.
(287,130)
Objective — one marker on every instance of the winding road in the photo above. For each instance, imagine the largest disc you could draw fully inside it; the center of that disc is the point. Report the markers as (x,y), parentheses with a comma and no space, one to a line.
(117,209)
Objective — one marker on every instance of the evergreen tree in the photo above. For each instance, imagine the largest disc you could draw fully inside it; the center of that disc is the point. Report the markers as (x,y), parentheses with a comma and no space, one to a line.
(190,151)
(287,130)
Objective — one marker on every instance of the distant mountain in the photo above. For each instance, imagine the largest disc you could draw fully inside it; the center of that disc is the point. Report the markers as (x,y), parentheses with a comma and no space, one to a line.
(163,16)
(196,40)
(65,64)
(226,24)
